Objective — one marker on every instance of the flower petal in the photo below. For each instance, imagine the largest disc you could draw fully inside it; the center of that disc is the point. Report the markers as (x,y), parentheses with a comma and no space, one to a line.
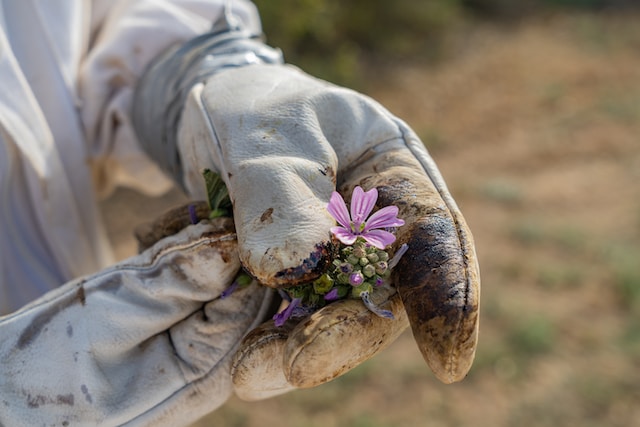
(374,308)
(379,238)
(338,210)
(331,295)
(384,218)
(362,204)
(231,289)
(344,235)
(396,258)
(193,216)
(281,318)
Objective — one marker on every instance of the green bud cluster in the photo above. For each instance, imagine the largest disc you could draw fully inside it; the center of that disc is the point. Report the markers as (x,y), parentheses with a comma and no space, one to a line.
(358,268)
(367,260)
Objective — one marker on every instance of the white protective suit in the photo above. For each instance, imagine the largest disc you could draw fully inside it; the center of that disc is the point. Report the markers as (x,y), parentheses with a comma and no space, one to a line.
(68,70)
(150,340)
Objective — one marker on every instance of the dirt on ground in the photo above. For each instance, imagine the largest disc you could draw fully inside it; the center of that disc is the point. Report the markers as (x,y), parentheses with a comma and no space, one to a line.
(536,129)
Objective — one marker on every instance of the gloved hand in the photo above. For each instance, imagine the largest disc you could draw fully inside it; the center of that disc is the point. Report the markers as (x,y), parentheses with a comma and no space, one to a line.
(148,341)
(283,141)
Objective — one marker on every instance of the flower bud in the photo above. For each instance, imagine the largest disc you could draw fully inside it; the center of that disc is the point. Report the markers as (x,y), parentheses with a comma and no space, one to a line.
(347,250)
(353,260)
(382,255)
(373,257)
(369,270)
(359,250)
(364,261)
(323,284)
(345,268)
(356,279)
(357,290)
(342,278)
(381,267)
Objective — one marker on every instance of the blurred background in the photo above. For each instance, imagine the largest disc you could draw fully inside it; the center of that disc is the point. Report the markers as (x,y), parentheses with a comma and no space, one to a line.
(532,111)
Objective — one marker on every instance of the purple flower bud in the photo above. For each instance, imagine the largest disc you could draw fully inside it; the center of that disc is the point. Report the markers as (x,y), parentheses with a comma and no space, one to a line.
(346,268)
(356,279)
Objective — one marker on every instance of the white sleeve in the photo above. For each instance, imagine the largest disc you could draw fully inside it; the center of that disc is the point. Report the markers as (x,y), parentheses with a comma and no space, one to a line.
(146,342)
(67,72)
(50,227)
(124,40)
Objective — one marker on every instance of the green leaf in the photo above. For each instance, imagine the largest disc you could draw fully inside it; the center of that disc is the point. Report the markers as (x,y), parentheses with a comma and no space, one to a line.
(218,195)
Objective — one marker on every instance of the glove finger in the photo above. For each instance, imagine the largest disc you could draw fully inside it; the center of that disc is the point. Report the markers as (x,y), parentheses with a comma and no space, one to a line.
(269,148)
(438,277)
(301,354)
(257,367)
(337,338)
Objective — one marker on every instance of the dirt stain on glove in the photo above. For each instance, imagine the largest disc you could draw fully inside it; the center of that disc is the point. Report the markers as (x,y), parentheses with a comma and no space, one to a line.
(41,320)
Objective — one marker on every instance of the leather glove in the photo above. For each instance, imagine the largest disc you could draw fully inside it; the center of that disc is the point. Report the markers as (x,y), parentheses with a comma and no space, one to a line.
(148,341)
(283,141)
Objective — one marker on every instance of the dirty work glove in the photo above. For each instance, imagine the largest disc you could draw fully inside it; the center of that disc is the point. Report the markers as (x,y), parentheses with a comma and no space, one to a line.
(283,141)
(148,341)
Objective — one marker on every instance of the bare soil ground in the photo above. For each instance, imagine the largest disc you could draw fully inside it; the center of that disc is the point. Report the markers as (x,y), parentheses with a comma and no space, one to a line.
(536,129)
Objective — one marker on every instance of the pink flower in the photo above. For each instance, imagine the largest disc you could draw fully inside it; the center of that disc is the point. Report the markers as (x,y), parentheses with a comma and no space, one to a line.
(357,225)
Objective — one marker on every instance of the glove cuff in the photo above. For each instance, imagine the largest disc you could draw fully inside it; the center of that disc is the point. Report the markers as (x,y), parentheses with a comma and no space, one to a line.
(161,92)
